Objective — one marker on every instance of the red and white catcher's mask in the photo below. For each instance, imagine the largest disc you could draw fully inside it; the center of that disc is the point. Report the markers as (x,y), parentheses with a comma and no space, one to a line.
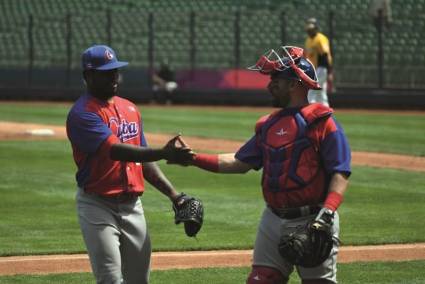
(288,62)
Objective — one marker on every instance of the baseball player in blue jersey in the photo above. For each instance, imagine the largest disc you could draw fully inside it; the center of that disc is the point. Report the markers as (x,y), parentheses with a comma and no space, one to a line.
(305,161)
(113,160)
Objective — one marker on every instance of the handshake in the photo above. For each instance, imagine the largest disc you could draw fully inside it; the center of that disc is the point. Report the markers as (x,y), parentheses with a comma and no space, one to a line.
(176,151)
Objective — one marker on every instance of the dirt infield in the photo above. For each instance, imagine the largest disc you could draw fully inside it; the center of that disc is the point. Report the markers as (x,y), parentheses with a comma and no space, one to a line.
(185,260)
(199,259)
(25,131)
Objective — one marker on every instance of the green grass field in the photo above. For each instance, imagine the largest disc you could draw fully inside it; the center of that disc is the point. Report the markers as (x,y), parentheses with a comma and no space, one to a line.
(38,187)
(381,132)
(381,205)
(410,272)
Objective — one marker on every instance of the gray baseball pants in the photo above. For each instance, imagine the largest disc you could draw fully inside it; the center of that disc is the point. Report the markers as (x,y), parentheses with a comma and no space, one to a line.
(116,238)
(270,230)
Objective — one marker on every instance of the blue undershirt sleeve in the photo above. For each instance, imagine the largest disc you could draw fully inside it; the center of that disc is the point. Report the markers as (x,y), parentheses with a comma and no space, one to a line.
(87,131)
(251,154)
(335,152)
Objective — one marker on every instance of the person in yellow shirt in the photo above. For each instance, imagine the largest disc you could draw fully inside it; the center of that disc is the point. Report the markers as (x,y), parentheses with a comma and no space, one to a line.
(318,51)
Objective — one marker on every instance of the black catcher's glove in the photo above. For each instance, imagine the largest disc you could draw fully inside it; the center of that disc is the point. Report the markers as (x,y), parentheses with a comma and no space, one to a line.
(309,245)
(190,211)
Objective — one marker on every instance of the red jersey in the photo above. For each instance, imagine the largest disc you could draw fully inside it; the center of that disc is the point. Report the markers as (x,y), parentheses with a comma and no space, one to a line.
(299,150)
(93,126)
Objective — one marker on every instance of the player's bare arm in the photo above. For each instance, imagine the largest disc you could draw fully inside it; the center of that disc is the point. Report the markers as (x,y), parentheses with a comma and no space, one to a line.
(219,163)
(153,174)
(337,188)
(188,210)
(151,171)
(132,153)
(227,163)
(339,183)
(158,80)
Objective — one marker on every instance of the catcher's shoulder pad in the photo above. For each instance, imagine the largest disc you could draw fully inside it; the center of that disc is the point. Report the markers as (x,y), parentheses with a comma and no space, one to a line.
(260,122)
(312,112)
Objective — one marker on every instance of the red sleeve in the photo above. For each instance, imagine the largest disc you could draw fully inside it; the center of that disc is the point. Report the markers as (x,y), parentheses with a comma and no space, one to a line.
(108,142)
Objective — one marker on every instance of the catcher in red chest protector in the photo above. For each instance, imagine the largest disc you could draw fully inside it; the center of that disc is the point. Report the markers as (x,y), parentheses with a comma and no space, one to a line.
(305,159)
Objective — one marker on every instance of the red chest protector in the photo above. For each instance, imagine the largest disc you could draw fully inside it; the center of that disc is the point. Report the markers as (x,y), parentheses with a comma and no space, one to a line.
(292,172)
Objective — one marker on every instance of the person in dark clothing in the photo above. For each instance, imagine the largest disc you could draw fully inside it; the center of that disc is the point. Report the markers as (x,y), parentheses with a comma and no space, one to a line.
(164,84)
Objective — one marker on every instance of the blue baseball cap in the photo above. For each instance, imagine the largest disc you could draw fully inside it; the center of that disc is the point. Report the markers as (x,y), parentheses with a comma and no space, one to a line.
(101,57)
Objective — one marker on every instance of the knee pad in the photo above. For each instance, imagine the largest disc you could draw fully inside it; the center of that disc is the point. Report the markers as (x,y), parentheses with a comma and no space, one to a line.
(265,275)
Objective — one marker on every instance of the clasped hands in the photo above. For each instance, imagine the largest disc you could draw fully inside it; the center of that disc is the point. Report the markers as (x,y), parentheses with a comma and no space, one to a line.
(178,152)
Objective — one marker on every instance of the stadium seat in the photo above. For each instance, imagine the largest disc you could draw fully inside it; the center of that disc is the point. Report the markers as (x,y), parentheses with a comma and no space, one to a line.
(354,42)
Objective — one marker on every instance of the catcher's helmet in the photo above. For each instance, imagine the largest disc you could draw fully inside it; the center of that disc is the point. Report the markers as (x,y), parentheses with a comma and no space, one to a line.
(289,64)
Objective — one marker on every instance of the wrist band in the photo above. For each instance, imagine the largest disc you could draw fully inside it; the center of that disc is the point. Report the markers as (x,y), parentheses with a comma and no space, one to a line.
(333,200)
(207,162)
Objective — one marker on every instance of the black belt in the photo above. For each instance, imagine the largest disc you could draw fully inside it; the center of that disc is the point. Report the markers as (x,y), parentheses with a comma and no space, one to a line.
(296,212)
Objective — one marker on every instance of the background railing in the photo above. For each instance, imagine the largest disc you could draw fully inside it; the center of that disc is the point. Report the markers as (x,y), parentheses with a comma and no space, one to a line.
(41,41)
